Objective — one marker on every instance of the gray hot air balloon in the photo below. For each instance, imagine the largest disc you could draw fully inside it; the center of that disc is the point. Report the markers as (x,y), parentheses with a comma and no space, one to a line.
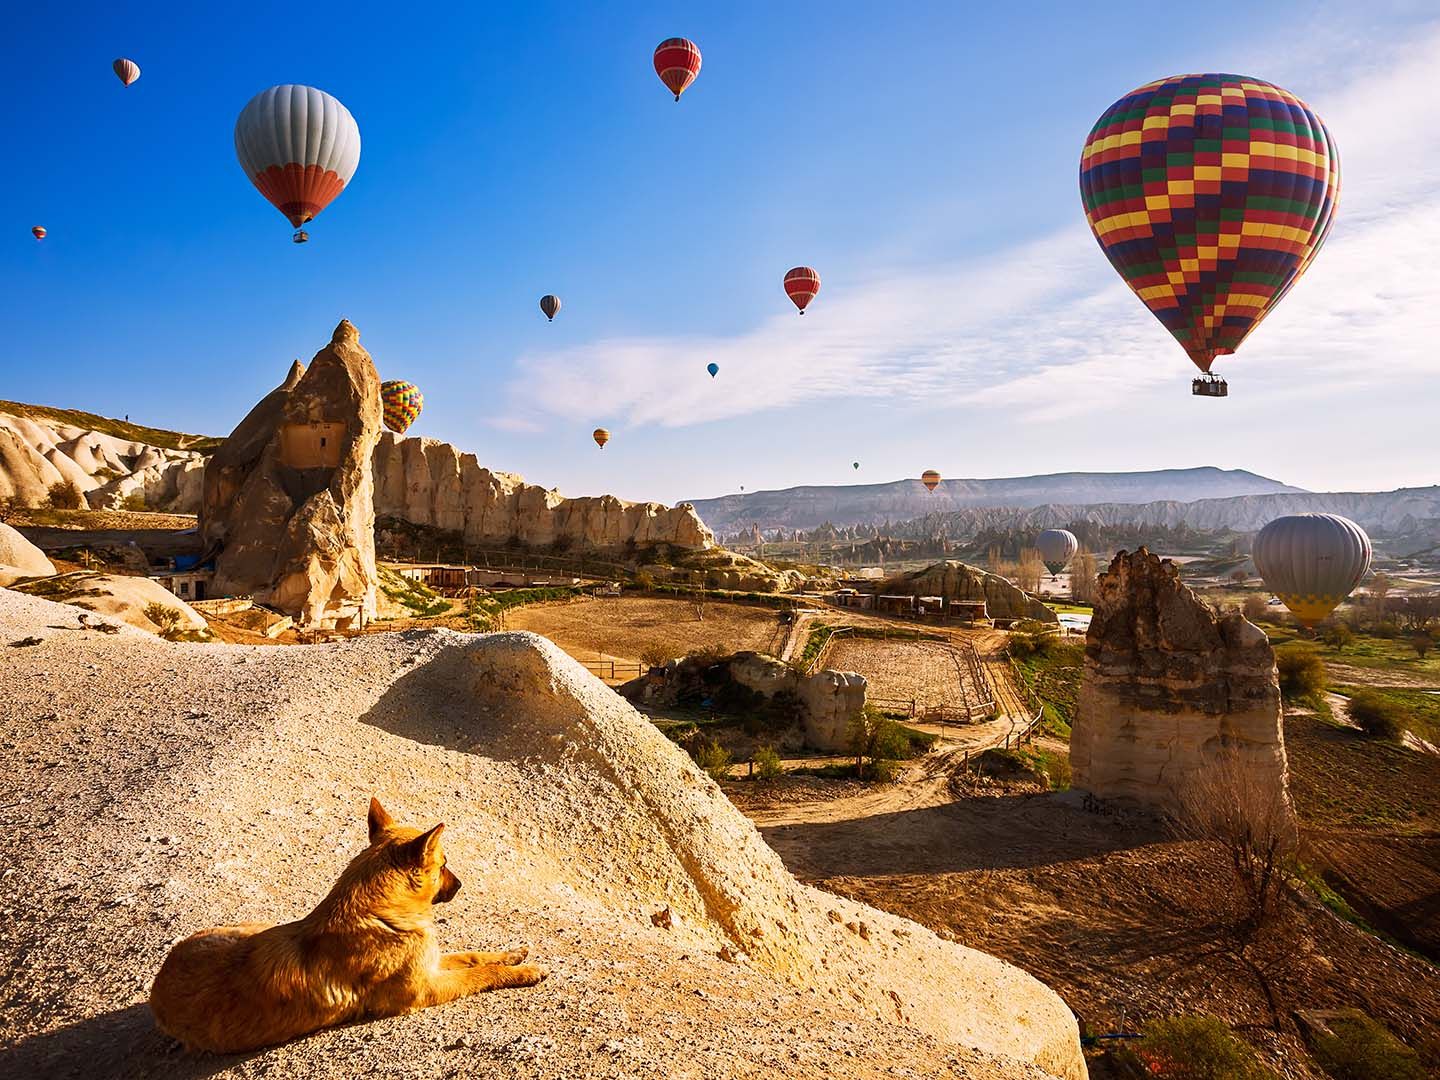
(550,305)
(1057,548)
(1311,561)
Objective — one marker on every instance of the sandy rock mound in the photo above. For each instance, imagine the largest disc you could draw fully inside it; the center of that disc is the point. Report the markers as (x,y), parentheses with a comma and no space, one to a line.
(1168,687)
(19,558)
(127,599)
(211,784)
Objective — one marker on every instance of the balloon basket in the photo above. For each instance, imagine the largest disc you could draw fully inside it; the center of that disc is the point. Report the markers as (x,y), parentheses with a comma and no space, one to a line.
(300,237)
(1210,386)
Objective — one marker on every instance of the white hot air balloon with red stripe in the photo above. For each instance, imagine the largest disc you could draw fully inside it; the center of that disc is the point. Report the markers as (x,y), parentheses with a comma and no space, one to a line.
(677,62)
(801,285)
(299,146)
(126,70)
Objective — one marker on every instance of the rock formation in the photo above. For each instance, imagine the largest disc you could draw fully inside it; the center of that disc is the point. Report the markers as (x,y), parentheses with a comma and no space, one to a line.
(20,558)
(41,447)
(120,596)
(288,512)
(428,482)
(229,785)
(1169,688)
(953,580)
(825,702)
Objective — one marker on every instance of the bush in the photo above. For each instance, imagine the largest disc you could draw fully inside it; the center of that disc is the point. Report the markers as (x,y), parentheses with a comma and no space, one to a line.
(654,656)
(1421,643)
(1359,1048)
(163,616)
(1198,1048)
(1377,714)
(1254,607)
(65,495)
(767,763)
(713,758)
(1302,672)
(1338,635)
(1387,628)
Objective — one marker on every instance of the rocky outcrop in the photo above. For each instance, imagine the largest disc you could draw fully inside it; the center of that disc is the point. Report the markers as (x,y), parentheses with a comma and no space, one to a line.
(19,558)
(1169,689)
(428,482)
(39,451)
(822,704)
(132,600)
(288,512)
(953,580)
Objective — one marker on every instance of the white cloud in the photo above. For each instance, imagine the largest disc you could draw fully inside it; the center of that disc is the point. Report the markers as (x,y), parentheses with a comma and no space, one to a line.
(1046,328)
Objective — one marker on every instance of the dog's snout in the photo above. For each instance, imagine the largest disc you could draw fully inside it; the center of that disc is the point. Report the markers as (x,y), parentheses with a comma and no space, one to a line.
(449,886)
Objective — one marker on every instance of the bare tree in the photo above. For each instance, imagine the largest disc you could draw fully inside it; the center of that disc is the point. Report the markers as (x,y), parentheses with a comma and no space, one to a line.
(1083,574)
(1031,571)
(1251,824)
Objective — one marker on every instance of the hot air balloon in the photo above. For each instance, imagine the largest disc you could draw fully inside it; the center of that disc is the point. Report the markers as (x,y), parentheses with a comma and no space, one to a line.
(677,62)
(299,146)
(402,403)
(1311,561)
(126,70)
(930,478)
(1210,194)
(713,368)
(601,437)
(801,285)
(39,231)
(855,465)
(1057,547)
(550,305)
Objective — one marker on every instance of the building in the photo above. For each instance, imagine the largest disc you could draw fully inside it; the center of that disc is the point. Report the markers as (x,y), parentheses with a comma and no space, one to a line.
(896,605)
(436,576)
(191,584)
(969,611)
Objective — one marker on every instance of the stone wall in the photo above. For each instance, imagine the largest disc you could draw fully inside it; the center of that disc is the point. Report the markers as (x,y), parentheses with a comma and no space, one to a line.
(1170,688)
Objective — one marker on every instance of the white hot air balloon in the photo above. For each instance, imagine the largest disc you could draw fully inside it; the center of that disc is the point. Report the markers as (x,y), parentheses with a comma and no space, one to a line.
(1057,547)
(299,146)
(1311,561)
(126,70)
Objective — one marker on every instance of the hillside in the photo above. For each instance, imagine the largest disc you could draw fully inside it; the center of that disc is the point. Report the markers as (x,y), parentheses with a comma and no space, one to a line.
(901,500)
(208,785)
(1406,512)
(108,425)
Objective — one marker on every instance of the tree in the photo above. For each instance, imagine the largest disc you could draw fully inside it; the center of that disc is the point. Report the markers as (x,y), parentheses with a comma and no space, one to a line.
(1252,825)
(877,742)
(1254,608)
(1302,672)
(1421,643)
(10,509)
(1083,575)
(64,495)
(1338,635)
(1031,570)
(1238,576)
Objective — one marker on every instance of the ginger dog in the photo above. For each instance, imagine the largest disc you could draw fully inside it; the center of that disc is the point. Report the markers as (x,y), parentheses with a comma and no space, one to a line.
(369,950)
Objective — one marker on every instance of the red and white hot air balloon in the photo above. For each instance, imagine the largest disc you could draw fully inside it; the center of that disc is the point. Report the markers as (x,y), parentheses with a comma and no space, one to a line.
(39,231)
(299,146)
(801,285)
(127,71)
(677,62)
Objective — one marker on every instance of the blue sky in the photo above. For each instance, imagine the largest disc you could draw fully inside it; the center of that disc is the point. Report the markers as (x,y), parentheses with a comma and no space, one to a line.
(922,157)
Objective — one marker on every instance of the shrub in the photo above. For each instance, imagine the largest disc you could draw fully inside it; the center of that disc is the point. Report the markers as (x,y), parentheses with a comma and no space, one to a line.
(1387,628)
(134,502)
(163,616)
(1198,1048)
(713,758)
(1421,642)
(767,763)
(1254,607)
(1360,1048)
(1302,672)
(1338,635)
(645,580)
(654,656)
(1377,714)
(64,495)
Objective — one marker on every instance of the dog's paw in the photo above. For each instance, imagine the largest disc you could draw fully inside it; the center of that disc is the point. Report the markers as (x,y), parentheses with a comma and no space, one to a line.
(515,956)
(530,974)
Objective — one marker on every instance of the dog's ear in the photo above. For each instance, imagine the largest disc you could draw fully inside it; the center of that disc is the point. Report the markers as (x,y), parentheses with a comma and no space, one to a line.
(425,848)
(379,819)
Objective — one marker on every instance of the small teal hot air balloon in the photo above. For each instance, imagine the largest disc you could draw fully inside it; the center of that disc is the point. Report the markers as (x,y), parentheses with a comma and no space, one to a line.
(713,368)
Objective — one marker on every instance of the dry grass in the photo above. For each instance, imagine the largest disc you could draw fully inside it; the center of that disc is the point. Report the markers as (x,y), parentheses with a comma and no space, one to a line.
(624,627)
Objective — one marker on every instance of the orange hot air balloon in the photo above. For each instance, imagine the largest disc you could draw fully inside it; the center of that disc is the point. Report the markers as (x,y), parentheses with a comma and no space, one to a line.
(127,71)
(931,479)
(601,437)
(801,285)
(39,231)
(677,62)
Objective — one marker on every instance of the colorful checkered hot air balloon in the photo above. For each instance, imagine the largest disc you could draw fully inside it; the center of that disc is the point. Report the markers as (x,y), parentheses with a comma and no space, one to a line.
(299,146)
(677,62)
(402,402)
(1210,194)
(801,285)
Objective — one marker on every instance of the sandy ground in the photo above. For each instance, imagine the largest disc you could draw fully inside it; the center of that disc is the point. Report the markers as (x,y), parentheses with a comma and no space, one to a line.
(918,671)
(624,627)
(150,789)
